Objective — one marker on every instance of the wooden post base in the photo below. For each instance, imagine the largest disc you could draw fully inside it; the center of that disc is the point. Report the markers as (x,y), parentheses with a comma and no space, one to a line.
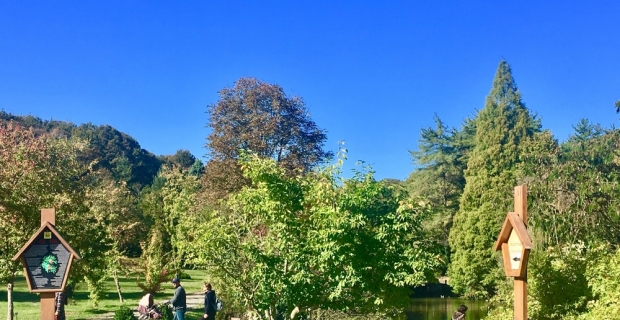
(520,291)
(47,305)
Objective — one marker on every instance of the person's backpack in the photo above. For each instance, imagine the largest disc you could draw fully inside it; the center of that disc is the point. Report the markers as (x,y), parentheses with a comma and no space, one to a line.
(219,305)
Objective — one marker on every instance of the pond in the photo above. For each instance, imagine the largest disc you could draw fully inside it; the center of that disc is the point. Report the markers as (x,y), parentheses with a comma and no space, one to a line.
(442,309)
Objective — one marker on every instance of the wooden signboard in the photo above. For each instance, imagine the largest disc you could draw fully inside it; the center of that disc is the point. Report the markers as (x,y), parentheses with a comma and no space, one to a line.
(515,243)
(47,259)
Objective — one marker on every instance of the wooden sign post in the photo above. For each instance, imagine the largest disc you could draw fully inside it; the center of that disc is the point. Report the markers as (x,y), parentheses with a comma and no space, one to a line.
(515,243)
(46,258)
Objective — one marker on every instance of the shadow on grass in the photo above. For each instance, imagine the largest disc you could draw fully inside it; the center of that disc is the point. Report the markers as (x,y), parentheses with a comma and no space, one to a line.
(20,292)
(96,311)
(20,296)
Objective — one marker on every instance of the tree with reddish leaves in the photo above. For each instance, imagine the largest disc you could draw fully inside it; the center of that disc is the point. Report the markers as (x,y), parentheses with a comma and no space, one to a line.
(257,117)
(35,172)
(38,170)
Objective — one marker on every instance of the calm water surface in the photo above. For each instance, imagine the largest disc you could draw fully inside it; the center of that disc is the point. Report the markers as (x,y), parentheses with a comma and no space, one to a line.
(442,309)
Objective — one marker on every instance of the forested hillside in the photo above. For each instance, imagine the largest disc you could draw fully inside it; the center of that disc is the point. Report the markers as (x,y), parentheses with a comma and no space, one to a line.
(108,149)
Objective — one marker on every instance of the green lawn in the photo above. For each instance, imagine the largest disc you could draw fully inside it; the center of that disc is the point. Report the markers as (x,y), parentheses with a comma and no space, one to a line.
(27,305)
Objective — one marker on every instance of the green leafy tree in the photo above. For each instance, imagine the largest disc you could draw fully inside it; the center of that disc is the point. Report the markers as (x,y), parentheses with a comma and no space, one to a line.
(288,244)
(115,207)
(603,275)
(558,284)
(254,116)
(179,198)
(154,263)
(437,162)
(166,204)
(501,127)
(585,130)
(574,189)
(182,159)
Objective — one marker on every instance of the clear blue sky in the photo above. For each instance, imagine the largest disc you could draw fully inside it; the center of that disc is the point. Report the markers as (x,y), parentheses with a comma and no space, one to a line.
(372,73)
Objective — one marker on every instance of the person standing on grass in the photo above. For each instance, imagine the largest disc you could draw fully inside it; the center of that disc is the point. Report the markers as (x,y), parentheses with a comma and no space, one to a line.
(210,304)
(60,300)
(178,302)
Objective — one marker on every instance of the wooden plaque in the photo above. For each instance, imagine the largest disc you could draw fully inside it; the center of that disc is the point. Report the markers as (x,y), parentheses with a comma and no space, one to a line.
(47,259)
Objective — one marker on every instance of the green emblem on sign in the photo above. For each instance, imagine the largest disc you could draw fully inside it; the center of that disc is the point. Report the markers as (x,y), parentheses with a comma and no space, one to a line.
(49,264)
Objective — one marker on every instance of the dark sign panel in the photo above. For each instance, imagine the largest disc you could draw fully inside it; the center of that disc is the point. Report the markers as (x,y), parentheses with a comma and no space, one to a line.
(46,261)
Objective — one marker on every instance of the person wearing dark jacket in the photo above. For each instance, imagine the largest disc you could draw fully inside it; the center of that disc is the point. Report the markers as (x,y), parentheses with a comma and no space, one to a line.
(177,301)
(460,313)
(210,304)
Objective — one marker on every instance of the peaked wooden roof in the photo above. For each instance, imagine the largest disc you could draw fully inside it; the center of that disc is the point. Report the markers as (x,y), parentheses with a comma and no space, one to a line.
(513,222)
(36,234)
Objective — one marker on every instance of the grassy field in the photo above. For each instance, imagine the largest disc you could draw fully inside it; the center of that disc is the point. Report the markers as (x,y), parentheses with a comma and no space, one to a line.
(27,304)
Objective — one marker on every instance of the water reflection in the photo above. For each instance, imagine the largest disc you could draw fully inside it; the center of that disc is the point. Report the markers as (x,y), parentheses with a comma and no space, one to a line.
(442,309)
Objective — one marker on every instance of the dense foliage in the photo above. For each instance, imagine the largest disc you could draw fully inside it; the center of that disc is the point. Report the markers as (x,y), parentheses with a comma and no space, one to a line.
(315,241)
(575,188)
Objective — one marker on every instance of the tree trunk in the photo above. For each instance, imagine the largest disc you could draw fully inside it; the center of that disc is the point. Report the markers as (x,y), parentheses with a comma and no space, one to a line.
(9,300)
(118,287)
(294,312)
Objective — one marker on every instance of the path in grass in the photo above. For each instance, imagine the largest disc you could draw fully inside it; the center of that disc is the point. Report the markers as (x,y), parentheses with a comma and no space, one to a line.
(194,301)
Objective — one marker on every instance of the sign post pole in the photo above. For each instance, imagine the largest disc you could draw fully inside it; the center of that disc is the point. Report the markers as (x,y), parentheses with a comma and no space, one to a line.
(47,298)
(515,243)
(520,283)
(47,305)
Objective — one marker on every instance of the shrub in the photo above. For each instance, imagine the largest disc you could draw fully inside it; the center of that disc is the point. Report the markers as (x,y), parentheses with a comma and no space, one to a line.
(604,279)
(558,287)
(124,313)
(166,310)
(153,264)
(569,282)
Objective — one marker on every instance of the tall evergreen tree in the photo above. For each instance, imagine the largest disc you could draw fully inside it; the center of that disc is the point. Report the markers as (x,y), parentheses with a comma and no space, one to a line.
(491,174)
(440,161)
(585,132)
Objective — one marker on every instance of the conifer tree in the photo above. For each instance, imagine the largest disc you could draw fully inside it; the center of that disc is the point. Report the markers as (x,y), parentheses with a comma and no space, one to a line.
(440,161)
(501,127)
